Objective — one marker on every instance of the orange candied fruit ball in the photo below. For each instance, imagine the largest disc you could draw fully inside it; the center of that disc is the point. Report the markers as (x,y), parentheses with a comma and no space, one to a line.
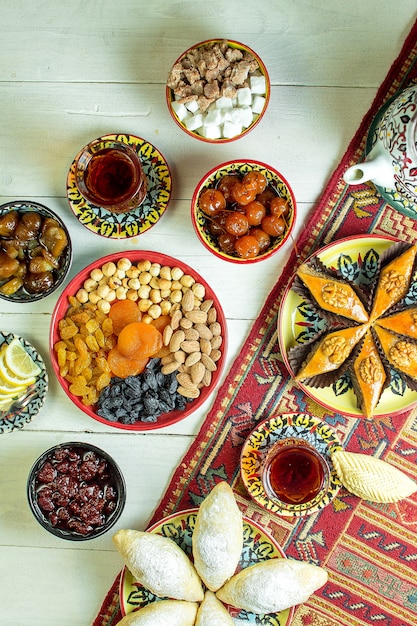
(255,179)
(211,201)
(247,247)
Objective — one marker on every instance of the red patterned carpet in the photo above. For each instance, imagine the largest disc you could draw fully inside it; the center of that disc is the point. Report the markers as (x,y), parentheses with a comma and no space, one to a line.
(369,550)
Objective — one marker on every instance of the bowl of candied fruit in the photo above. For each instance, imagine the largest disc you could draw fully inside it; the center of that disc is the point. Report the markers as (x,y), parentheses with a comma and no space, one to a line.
(243,211)
(76,491)
(35,251)
(218,90)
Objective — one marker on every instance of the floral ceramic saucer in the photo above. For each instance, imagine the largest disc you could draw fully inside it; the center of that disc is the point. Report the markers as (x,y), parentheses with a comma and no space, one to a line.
(258,545)
(15,418)
(134,223)
(356,258)
(300,425)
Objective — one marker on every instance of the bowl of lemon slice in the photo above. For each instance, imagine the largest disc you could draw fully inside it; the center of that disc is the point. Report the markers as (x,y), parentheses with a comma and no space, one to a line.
(23,382)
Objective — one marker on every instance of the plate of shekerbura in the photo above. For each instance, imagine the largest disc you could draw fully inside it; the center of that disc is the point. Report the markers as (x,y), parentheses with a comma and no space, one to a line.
(348,326)
(201,562)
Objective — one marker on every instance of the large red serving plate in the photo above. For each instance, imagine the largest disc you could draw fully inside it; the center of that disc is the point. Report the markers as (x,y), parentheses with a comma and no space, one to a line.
(62,305)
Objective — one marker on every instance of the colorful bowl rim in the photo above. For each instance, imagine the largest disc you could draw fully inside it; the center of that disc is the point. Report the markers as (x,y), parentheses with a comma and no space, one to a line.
(67,535)
(223,255)
(62,305)
(234,44)
(32,206)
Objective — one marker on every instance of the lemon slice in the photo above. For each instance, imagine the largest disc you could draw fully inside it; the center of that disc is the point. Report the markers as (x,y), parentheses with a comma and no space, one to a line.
(5,404)
(7,390)
(19,361)
(7,376)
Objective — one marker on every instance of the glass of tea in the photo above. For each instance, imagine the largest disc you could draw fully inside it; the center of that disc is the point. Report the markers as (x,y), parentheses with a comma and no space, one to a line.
(109,174)
(294,472)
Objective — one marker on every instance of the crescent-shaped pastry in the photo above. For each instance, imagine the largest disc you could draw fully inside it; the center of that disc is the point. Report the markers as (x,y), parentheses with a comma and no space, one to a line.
(333,295)
(160,613)
(159,565)
(370,478)
(217,537)
(273,585)
(212,612)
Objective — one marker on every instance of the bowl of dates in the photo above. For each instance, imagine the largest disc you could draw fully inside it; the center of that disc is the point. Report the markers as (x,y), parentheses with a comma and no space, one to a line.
(76,491)
(243,211)
(35,251)
(218,90)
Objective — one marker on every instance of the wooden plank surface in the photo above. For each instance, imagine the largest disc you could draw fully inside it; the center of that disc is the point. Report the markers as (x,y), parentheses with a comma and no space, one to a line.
(71,71)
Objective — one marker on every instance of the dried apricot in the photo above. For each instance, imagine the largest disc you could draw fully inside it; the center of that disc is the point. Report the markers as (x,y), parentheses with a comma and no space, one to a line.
(122,313)
(138,340)
(122,366)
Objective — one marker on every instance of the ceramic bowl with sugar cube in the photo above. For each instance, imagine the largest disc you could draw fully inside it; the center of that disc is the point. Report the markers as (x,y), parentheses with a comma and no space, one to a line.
(218,90)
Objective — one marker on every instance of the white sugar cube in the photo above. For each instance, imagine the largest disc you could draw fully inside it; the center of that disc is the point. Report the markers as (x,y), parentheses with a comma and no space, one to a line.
(246,116)
(257,84)
(192,106)
(244,96)
(211,132)
(213,118)
(231,130)
(258,104)
(179,110)
(194,122)
(224,103)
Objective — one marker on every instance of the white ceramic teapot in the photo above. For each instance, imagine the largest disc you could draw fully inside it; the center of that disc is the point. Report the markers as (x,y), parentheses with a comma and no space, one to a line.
(392,162)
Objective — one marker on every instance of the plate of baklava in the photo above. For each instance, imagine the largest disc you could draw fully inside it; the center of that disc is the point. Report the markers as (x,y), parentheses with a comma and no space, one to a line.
(347,326)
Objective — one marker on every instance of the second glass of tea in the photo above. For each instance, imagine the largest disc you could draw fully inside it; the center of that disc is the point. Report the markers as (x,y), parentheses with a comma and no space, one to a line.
(109,174)
(294,472)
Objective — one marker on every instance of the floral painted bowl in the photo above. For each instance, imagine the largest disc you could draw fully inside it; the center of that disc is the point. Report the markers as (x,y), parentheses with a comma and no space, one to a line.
(211,227)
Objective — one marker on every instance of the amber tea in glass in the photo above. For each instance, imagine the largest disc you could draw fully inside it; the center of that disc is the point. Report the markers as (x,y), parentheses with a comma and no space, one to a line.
(109,174)
(294,472)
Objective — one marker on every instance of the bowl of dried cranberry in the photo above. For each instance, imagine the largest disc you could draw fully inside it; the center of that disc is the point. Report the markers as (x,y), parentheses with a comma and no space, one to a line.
(218,90)
(243,211)
(76,491)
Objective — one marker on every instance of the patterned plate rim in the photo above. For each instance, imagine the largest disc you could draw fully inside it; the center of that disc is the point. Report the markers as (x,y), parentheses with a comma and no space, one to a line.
(275,427)
(184,516)
(123,226)
(16,420)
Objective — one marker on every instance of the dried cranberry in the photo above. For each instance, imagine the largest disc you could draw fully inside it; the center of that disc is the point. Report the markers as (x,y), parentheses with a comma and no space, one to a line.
(47,473)
(62,467)
(88,470)
(79,527)
(45,500)
(67,485)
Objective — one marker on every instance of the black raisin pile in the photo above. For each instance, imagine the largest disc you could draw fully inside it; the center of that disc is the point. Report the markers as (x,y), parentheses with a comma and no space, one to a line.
(141,398)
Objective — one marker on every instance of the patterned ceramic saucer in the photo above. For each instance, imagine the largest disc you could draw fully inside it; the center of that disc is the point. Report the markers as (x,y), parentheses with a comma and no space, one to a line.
(16,418)
(134,223)
(258,545)
(301,425)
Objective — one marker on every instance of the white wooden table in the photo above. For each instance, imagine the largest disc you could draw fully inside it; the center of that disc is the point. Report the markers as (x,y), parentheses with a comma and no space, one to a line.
(72,71)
